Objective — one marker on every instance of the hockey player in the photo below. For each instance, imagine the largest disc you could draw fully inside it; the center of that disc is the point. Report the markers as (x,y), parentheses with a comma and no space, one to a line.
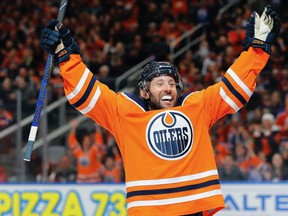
(164,136)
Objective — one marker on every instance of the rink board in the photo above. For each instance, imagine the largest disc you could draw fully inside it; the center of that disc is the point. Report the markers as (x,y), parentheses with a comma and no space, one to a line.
(242,199)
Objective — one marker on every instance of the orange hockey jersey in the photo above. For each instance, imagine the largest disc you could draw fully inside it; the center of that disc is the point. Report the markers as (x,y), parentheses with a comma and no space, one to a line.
(167,154)
(88,163)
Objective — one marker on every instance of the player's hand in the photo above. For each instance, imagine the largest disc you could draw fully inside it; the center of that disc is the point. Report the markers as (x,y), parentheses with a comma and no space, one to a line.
(56,39)
(50,38)
(262,31)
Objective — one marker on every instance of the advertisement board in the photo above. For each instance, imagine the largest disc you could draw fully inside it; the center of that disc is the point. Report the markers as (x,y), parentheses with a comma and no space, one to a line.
(255,199)
(242,199)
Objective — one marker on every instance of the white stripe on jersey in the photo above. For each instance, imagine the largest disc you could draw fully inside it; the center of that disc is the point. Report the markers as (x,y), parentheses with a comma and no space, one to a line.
(174,200)
(92,102)
(171,180)
(79,85)
(242,85)
(228,100)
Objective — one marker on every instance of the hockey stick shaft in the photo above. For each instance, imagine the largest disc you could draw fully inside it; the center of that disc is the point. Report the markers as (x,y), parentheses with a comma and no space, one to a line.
(42,93)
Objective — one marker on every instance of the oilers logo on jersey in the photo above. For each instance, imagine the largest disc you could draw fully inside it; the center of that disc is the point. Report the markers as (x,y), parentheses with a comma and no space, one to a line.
(169,135)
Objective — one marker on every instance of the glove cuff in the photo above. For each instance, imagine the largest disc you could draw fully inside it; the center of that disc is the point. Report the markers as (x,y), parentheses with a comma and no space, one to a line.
(256,43)
(64,54)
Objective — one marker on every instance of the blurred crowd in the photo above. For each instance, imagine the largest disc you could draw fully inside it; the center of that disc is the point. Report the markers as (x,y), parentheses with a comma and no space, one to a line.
(114,36)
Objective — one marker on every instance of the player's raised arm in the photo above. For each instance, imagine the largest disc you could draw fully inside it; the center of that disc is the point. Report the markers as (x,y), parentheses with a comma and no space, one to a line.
(81,87)
(239,81)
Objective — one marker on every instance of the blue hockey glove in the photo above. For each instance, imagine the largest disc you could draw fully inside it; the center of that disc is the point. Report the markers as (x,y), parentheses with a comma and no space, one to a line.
(265,30)
(56,39)
(50,38)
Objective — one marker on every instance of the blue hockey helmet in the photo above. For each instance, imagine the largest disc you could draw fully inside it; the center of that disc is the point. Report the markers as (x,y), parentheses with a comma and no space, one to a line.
(155,69)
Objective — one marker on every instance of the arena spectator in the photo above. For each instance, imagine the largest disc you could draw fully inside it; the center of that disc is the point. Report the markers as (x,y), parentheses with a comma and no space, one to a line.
(203,15)
(247,161)
(111,170)
(221,149)
(279,171)
(210,64)
(50,176)
(179,7)
(65,171)
(237,33)
(3,74)
(28,94)
(8,94)
(6,118)
(284,150)
(87,156)
(229,171)
(134,51)
(267,137)
(264,168)
(236,133)
(276,105)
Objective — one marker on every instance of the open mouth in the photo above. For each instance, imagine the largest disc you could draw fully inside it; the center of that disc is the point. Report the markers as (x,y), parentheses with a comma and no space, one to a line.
(167,98)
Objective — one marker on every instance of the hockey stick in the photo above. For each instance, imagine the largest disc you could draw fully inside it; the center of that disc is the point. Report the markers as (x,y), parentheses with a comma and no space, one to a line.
(42,93)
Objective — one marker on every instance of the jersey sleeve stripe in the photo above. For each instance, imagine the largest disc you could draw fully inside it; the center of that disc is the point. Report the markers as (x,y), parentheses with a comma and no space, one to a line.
(228,100)
(79,85)
(86,94)
(174,200)
(92,102)
(239,82)
(171,180)
(234,91)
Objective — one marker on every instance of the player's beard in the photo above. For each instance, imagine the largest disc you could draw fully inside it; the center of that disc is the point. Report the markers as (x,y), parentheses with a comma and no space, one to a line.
(155,102)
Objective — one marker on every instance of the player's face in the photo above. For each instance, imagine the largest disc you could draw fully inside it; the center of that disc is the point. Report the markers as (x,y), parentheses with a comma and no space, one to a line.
(162,92)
